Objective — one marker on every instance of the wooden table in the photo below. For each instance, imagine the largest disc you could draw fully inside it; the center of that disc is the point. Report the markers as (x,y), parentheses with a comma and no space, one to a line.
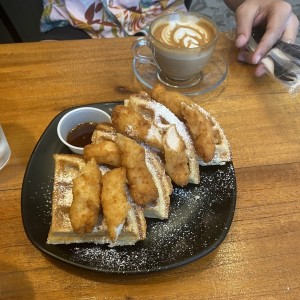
(260,257)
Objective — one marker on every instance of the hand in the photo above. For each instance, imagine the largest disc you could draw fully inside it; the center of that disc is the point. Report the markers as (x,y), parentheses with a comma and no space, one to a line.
(279,22)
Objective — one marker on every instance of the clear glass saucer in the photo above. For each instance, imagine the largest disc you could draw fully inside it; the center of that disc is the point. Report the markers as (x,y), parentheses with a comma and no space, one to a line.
(211,77)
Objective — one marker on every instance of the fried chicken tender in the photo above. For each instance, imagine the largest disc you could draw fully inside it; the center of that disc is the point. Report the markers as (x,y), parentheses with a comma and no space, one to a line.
(171,99)
(141,185)
(85,207)
(131,123)
(201,132)
(105,153)
(175,157)
(114,201)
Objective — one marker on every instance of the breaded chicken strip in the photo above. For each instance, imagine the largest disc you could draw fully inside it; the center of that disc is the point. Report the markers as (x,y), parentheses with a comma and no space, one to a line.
(171,99)
(105,153)
(131,123)
(102,131)
(201,132)
(141,185)
(114,201)
(85,207)
(175,157)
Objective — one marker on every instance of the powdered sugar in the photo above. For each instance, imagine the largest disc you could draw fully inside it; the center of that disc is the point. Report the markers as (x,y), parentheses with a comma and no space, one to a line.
(44,191)
(199,220)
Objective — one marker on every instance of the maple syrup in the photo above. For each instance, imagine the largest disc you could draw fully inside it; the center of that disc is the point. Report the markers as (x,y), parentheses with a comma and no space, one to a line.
(81,134)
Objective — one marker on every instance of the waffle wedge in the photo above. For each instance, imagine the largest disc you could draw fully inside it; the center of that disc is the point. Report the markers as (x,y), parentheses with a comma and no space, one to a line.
(67,167)
(222,151)
(185,109)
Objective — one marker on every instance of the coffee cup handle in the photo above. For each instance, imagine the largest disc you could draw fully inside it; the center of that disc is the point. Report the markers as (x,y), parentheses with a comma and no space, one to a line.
(140,50)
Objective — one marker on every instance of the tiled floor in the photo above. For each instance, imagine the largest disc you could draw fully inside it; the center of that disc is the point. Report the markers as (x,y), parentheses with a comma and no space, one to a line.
(224,17)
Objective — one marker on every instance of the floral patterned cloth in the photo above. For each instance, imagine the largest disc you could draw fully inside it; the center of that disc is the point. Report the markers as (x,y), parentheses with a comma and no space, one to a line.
(106,18)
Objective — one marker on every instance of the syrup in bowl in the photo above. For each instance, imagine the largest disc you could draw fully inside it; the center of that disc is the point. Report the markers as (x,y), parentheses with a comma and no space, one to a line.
(76,127)
(81,135)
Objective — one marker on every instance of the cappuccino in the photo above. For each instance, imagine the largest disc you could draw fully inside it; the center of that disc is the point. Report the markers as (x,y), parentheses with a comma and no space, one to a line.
(183,44)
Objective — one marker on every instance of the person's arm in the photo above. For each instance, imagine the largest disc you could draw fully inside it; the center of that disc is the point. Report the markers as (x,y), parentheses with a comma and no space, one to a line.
(276,16)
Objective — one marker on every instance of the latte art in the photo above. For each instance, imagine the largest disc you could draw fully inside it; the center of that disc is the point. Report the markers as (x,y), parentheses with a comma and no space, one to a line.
(184,35)
(189,38)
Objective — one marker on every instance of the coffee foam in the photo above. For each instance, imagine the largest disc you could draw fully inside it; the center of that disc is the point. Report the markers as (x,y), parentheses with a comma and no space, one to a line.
(184,33)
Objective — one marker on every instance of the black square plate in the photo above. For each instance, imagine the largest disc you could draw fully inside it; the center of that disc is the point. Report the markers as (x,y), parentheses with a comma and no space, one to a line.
(200,217)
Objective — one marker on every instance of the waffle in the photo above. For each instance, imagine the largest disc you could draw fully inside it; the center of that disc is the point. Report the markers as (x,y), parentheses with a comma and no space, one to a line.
(67,167)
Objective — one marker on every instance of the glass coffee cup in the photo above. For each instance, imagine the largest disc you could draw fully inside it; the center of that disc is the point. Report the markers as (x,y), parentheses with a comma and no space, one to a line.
(181,45)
